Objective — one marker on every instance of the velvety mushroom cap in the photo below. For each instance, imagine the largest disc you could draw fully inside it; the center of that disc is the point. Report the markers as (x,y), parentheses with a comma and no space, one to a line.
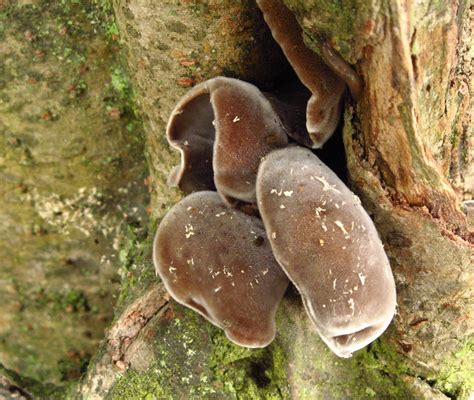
(218,261)
(324,107)
(329,248)
(223,127)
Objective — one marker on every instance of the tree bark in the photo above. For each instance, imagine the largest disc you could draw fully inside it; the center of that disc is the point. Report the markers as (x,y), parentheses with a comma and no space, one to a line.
(407,148)
(71,166)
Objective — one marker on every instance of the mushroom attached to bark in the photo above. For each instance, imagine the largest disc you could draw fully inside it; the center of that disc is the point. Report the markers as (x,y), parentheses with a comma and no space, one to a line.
(329,248)
(223,127)
(324,106)
(218,261)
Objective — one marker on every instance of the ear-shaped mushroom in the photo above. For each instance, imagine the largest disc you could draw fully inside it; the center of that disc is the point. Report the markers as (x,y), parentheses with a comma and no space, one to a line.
(218,261)
(329,248)
(227,123)
(324,107)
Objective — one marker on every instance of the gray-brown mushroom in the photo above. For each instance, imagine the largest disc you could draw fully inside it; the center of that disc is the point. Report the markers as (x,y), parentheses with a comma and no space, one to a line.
(223,127)
(218,261)
(329,248)
(323,109)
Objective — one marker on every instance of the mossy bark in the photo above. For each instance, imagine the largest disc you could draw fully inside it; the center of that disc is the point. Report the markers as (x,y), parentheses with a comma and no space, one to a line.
(406,148)
(71,166)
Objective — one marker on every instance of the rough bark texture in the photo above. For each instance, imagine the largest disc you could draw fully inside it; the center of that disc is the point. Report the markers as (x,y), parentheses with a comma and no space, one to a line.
(409,159)
(70,155)
(406,144)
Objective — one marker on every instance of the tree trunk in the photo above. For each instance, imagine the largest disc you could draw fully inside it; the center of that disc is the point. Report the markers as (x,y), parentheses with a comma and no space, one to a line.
(70,168)
(406,144)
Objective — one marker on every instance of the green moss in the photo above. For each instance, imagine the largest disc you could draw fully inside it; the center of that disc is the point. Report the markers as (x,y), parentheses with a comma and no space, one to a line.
(247,373)
(138,386)
(379,372)
(136,269)
(197,360)
(456,378)
(56,301)
(120,82)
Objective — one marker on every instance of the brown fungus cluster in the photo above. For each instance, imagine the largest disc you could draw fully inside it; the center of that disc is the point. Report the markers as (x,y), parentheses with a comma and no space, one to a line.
(218,261)
(223,127)
(329,248)
(232,267)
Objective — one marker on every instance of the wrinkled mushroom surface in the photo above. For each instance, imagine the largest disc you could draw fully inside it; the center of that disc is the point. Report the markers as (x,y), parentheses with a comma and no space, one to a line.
(329,248)
(218,261)
(223,127)
(323,109)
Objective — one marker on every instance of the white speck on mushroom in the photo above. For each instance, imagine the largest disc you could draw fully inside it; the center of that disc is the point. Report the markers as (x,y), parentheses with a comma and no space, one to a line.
(190,261)
(288,193)
(171,269)
(220,214)
(325,228)
(319,210)
(265,271)
(189,231)
(274,235)
(226,323)
(334,284)
(282,206)
(217,289)
(227,272)
(236,119)
(343,229)
(321,242)
(351,305)
(362,278)
(326,185)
